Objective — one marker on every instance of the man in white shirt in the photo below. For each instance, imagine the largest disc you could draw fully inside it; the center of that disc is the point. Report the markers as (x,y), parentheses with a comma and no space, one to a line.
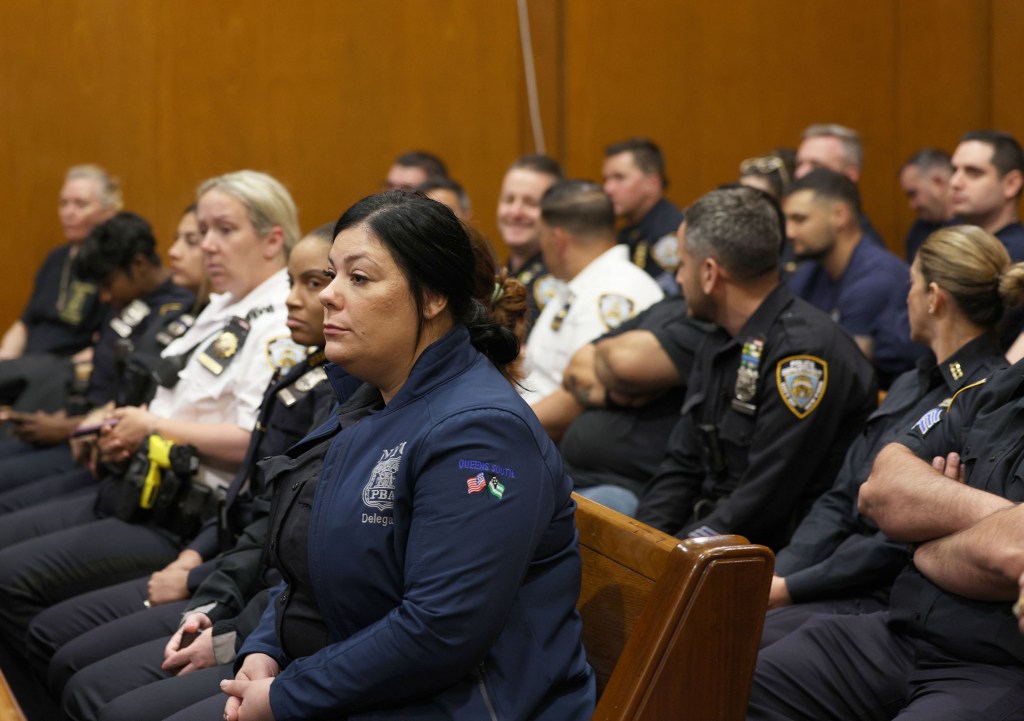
(602,287)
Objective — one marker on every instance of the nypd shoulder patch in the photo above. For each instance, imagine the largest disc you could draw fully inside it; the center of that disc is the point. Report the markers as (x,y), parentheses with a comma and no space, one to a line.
(545,288)
(283,352)
(802,381)
(614,309)
(665,251)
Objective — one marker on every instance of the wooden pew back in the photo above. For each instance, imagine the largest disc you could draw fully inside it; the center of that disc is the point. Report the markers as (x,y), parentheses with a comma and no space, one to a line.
(671,627)
(9,709)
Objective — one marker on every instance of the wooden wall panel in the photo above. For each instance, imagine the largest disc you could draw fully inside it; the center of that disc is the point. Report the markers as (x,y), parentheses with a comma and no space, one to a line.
(1007,100)
(76,85)
(943,89)
(323,93)
(714,83)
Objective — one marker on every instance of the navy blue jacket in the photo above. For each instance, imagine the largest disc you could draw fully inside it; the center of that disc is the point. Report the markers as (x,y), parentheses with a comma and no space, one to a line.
(870,299)
(444,559)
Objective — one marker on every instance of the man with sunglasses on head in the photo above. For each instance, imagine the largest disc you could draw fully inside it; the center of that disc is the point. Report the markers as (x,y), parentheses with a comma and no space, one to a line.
(634,178)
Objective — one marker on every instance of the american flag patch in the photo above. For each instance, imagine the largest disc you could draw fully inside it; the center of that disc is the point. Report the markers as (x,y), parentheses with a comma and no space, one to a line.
(928,420)
(476,483)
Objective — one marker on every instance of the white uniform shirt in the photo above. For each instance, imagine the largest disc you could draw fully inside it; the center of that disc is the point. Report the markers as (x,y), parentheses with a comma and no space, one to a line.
(604,294)
(235,395)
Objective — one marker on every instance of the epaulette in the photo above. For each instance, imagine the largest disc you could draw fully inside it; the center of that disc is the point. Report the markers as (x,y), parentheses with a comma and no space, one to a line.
(305,383)
(125,322)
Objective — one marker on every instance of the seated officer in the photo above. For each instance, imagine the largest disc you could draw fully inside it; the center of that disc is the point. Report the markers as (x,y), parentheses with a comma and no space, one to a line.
(925,181)
(777,393)
(63,313)
(862,286)
(119,257)
(838,148)
(987,184)
(525,182)
(634,178)
(601,287)
(413,168)
(619,401)
(947,646)
(218,371)
(295,402)
(837,561)
(448,192)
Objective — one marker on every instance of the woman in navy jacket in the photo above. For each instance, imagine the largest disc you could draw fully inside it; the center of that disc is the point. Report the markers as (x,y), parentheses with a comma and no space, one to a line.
(432,567)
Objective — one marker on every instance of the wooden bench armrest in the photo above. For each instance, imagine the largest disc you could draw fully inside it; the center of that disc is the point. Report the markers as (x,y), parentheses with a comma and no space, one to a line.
(671,627)
(9,709)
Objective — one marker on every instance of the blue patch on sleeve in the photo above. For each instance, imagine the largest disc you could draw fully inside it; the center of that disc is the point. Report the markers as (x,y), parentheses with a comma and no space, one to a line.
(928,420)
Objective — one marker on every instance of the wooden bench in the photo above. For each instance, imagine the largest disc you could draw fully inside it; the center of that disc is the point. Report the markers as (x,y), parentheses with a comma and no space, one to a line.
(671,627)
(9,709)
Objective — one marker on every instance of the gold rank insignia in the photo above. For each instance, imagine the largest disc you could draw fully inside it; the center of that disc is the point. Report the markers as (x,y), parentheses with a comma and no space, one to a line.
(563,312)
(614,309)
(168,308)
(640,254)
(802,381)
(956,371)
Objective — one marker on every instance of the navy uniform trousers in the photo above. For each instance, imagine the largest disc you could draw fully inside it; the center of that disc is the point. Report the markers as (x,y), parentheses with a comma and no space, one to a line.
(855,667)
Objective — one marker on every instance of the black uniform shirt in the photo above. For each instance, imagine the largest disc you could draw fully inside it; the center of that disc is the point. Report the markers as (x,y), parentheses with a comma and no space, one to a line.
(652,243)
(750,457)
(985,424)
(166,302)
(63,312)
(292,405)
(623,446)
(837,553)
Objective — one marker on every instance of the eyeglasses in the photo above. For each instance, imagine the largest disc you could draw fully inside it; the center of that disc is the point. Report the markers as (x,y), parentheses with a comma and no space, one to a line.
(766,165)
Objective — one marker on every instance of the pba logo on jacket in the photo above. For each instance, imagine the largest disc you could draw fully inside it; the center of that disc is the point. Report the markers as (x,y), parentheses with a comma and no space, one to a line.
(379,491)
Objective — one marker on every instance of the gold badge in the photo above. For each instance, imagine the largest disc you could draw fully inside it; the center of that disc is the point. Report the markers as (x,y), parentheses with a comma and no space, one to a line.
(226,344)
(217,356)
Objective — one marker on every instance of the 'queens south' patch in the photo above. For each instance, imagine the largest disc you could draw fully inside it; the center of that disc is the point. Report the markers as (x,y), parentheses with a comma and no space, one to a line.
(802,380)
